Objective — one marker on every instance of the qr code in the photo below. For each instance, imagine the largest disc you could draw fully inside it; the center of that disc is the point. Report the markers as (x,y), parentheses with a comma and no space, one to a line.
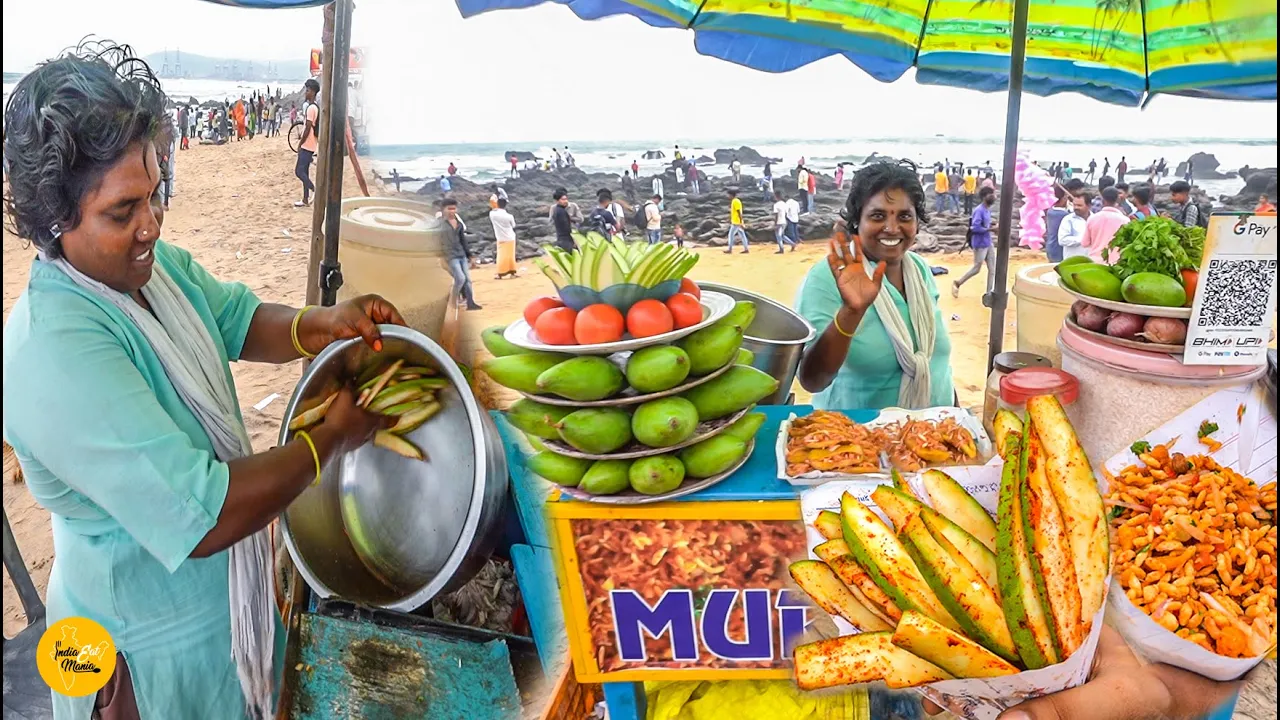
(1236,292)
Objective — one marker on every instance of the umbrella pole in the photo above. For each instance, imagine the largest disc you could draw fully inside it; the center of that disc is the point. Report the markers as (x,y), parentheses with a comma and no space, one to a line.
(330,270)
(316,256)
(998,299)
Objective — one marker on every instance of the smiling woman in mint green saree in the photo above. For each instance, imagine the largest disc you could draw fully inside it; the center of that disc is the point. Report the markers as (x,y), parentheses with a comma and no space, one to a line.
(120,405)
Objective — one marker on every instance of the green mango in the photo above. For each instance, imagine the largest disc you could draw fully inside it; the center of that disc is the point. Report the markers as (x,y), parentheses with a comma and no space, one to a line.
(745,357)
(1075,261)
(1096,281)
(711,348)
(520,372)
(739,387)
(742,315)
(583,379)
(657,368)
(664,422)
(656,475)
(607,477)
(535,418)
(712,456)
(497,344)
(1149,288)
(559,469)
(746,427)
(596,430)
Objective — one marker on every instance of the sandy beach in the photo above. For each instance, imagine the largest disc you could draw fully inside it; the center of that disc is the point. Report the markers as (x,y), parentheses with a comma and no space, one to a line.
(233,210)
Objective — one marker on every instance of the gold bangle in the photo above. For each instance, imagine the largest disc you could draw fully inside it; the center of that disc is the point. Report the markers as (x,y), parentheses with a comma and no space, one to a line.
(314,455)
(293,332)
(835,320)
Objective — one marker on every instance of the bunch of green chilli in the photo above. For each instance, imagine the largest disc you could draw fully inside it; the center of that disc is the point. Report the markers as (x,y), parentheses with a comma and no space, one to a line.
(1156,244)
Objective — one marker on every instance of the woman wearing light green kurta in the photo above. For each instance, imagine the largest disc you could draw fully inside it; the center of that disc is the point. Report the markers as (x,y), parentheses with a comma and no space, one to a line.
(881,342)
(120,406)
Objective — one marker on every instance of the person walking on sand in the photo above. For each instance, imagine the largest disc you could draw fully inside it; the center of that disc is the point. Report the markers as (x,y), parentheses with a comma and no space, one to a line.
(1052,221)
(308,145)
(678,234)
(780,214)
(736,227)
(802,187)
(1122,167)
(980,227)
(454,242)
(504,230)
(629,186)
(940,187)
(653,220)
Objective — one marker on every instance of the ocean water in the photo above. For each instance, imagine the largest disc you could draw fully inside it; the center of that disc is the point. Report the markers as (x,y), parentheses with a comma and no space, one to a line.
(485,161)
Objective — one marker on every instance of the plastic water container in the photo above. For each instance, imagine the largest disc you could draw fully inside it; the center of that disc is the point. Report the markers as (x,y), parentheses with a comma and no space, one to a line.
(1042,305)
(389,247)
(1127,393)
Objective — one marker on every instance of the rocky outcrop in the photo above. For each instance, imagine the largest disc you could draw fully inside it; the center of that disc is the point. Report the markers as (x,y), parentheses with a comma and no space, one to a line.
(745,155)
(1204,166)
(521,156)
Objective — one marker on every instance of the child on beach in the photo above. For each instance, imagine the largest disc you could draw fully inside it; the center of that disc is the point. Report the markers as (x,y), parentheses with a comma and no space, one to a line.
(679,235)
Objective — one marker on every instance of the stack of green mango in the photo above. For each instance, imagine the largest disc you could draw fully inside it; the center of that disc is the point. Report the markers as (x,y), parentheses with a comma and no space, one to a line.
(1096,280)
(666,422)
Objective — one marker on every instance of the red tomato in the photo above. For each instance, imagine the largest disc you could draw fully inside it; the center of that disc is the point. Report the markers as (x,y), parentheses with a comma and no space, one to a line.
(599,323)
(538,306)
(555,326)
(691,287)
(649,317)
(685,309)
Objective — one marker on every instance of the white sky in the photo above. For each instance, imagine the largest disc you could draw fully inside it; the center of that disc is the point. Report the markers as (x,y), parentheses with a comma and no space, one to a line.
(543,74)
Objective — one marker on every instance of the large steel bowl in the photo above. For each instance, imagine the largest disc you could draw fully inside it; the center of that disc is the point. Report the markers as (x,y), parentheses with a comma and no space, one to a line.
(391,532)
(777,337)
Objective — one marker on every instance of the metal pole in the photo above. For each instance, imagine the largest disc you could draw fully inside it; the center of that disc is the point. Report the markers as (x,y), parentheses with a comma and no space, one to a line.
(998,300)
(330,270)
(316,255)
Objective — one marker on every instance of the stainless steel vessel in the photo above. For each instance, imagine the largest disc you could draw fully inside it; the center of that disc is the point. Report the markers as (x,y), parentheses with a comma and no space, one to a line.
(777,337)
(391,532)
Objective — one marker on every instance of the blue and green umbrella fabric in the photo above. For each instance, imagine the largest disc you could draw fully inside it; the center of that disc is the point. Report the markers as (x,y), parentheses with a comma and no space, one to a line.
(1118,51)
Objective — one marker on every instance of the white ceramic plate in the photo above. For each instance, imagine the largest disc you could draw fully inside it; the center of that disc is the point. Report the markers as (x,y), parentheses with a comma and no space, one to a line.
(688,487)
(1182,313)
(714,306)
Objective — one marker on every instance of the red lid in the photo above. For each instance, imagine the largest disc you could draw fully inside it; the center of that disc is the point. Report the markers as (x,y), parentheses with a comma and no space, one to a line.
(1019,385)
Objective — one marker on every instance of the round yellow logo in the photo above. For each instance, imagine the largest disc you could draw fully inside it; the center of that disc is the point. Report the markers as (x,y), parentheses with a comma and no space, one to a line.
(76,656)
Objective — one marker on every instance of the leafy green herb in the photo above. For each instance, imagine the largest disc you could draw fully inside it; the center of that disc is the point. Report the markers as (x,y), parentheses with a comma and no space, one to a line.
(1116,512)
(1140,447)
(1207,428)
(1156,244)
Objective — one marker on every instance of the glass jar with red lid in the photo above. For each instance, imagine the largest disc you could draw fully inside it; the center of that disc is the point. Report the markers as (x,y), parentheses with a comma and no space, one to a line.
(1019,385)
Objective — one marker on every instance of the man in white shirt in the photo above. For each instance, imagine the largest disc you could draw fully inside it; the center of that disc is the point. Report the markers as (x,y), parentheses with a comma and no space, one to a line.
(735,167)
(782,212)
(657,187)
(802,186)
(504,229)
(653,219)
(1071,231)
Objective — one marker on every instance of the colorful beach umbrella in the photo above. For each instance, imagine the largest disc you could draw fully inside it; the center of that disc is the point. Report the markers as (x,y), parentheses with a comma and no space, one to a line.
(1117,51)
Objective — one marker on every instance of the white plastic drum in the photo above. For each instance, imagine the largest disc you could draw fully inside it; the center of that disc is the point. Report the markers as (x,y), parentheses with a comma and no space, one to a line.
(388,247)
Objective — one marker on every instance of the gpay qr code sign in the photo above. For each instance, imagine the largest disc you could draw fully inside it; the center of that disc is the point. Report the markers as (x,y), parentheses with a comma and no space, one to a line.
(1234,311)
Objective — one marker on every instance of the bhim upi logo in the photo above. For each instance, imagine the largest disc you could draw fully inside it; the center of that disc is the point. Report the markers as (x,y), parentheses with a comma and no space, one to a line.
(76,656)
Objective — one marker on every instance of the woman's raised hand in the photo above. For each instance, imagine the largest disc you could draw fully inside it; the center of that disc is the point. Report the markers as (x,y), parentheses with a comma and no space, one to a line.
(856,289)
